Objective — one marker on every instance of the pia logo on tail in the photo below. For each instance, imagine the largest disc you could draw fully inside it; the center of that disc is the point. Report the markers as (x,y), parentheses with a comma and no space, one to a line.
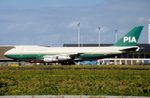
(129,39)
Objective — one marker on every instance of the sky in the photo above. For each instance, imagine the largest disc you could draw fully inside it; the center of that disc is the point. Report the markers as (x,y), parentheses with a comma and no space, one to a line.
(54,22)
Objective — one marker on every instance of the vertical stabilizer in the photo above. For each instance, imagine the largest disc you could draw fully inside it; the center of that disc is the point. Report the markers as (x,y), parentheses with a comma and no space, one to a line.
(131,38)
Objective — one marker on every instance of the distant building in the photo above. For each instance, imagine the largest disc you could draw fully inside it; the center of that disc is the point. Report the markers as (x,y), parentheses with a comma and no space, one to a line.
(3,49)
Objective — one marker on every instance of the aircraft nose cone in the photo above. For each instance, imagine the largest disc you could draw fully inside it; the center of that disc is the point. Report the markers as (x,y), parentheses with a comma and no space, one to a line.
(6,54)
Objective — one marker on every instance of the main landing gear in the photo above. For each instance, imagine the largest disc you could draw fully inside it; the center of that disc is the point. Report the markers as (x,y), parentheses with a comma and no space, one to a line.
(67,63)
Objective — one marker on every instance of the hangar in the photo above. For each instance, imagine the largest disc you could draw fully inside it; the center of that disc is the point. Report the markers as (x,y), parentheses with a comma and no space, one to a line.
(3,49)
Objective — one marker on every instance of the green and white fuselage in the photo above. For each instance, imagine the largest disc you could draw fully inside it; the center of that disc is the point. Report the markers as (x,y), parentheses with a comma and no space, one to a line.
(62,53)
(59,54)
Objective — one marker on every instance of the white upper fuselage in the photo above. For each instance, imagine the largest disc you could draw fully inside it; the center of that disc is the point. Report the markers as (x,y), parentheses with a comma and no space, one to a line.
(65,50)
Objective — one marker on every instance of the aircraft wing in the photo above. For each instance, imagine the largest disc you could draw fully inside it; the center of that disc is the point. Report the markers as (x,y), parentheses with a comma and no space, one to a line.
(61,57)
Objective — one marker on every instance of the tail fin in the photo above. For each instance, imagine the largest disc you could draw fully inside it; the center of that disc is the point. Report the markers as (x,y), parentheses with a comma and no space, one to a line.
(131,38)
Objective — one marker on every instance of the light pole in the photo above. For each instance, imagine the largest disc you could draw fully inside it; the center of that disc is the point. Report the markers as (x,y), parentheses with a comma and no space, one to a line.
(99,35)
(79,34)
(116,31)
(148,31)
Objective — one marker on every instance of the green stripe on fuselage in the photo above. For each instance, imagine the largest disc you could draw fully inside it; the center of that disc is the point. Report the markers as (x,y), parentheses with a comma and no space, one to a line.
(41,56)
(26,56)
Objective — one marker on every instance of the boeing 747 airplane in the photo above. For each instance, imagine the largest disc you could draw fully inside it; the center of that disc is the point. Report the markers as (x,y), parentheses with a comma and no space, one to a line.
(70,55)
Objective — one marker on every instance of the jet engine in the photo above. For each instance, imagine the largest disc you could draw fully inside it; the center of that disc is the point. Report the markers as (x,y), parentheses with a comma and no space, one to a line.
(56,58)
(62,57)
(50,59)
